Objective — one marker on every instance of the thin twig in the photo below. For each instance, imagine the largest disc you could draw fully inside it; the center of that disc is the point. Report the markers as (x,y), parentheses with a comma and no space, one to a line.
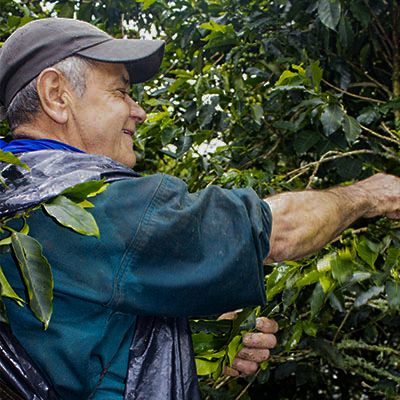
(322,159)
(264,156)
(247,387)
(122,25)
(381,33)
(268,79)
(218,59)
(352,94)
(224,381)
(365,73)
(394,136)
(390,153)
(379,135)
(342,324)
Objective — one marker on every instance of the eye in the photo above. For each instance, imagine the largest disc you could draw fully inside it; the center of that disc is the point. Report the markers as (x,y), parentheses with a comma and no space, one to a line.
(124,92)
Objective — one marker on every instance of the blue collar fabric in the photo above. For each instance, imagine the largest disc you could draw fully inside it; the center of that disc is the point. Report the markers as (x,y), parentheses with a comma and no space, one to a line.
(25,145)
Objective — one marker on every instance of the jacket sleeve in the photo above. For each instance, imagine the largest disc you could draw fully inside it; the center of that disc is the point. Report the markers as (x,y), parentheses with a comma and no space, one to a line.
(195,254)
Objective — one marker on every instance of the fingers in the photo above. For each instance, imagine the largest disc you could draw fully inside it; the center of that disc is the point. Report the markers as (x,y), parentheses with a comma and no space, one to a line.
(229,315)
(394,215)
(266,325)
(259,340)
(230,371)
(253,354)
(255,350)
(241,367)
(265,338)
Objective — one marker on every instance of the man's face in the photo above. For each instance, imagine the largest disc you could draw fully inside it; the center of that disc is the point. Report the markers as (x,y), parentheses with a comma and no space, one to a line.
(105,116)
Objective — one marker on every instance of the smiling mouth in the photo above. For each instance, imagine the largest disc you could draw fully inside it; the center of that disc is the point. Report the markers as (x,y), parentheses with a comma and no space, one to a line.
(127,132)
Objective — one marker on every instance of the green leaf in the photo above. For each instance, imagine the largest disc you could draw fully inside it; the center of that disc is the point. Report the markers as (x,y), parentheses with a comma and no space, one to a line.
(360,12)
(327,351)
(146,3)
(316,72)
(346,34)
(304,141)
(393,294)
(276,281)
(317,299)
(13,21)
(71,215)
(392,259)
(348,168)
(172,89)
(36,273)
(206,367)
(11,159)
(207,343)
(234,347)
(81,191)
(151,118)
(368,251)
(309,328)
(3,312)
(329,12)
(326,282)
(368,116)
(309,279)
(6,290)
(296,336)
(168,134)
(286,77)
(258,112)
(24,229)
(213,26)
(66,11)
(342,270)
(238,321)
(351,127)
(364,297)
(336,301)
(211,326)
(332,118)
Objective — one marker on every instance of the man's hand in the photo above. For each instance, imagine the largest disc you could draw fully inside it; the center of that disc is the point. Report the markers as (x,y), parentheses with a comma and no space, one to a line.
(256,346)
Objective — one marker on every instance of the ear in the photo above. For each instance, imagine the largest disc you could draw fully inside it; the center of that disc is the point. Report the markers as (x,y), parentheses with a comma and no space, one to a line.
(54,95)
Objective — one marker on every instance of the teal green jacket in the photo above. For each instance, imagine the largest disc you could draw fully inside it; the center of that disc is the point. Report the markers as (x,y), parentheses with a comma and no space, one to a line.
(161,251)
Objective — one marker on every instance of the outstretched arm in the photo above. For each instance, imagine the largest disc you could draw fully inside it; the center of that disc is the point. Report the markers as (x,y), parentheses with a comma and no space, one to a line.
(303,222)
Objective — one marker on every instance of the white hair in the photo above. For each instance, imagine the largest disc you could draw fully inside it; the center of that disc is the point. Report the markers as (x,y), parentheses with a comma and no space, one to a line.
(26,103)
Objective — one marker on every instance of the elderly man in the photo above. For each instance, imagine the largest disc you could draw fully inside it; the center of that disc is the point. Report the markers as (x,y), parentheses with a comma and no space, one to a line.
(65,87)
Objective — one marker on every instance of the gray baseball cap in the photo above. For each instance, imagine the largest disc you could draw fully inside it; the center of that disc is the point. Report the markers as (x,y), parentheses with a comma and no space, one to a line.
(44,42)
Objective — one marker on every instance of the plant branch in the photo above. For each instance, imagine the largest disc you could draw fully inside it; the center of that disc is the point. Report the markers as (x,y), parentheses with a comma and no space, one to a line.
(342,324)
(324,158)
(241,394)
(397,141)
(377,83)
(352,94)
(380,31)
(394,136)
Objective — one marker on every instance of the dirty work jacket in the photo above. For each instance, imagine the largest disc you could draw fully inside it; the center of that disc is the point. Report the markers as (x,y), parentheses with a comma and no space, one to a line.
(162,251)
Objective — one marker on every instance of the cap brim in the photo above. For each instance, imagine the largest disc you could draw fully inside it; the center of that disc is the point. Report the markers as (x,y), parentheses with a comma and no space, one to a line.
(142,58)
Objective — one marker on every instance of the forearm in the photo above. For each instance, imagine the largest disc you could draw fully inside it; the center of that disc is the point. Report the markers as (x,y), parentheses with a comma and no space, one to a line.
(303,222)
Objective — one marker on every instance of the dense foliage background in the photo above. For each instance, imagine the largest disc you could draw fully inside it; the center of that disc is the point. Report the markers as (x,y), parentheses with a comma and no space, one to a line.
(278,95)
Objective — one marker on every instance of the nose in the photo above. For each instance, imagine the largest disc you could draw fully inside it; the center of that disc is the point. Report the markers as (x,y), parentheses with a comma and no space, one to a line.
(136,112)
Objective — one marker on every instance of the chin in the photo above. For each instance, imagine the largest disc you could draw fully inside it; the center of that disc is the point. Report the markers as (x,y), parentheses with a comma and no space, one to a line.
(128,161)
